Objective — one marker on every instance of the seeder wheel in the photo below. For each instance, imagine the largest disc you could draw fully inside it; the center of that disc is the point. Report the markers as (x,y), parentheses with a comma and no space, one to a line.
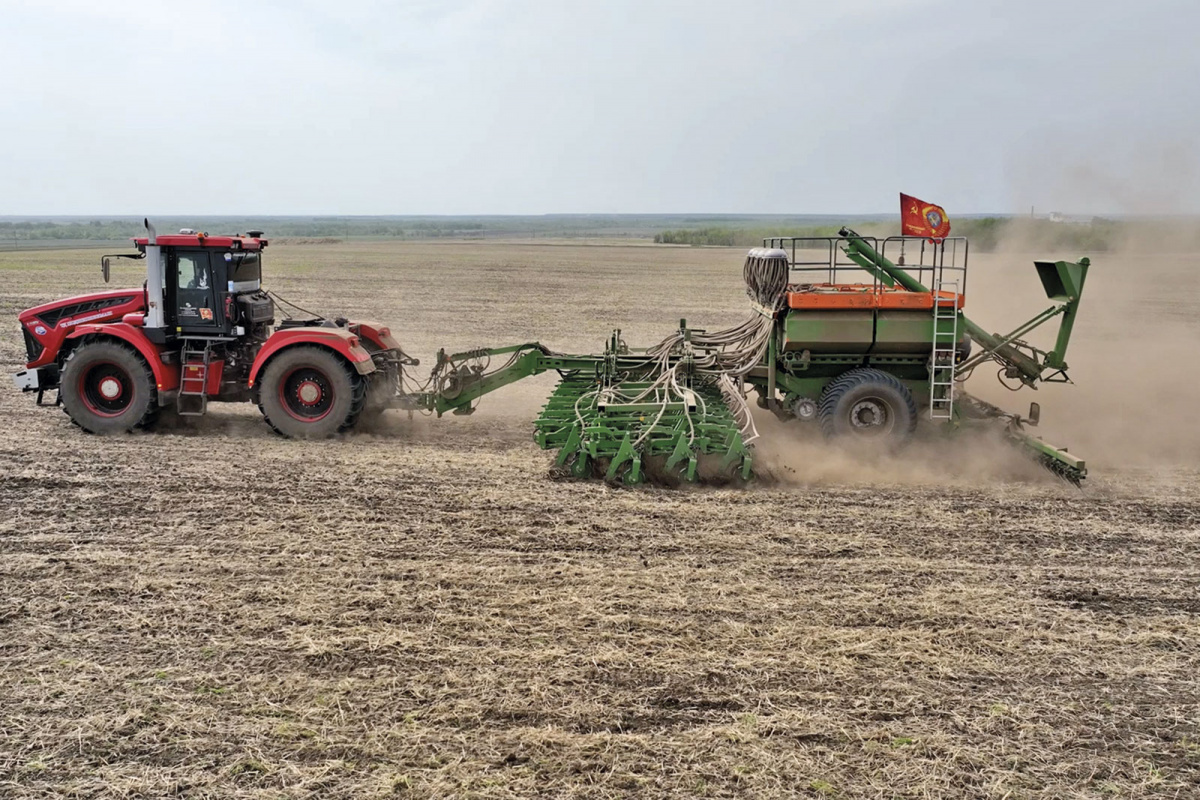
(868,405)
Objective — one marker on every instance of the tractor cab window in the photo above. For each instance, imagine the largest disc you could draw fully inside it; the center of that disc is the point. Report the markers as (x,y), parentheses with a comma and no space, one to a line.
(245,271)
(193,271)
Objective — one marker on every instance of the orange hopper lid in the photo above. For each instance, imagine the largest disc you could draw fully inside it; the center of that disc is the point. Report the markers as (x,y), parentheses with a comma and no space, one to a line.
(846,296)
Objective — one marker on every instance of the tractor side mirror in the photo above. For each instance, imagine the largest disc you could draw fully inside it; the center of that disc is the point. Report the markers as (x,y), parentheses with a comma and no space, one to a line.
(104,268)
(1035,414)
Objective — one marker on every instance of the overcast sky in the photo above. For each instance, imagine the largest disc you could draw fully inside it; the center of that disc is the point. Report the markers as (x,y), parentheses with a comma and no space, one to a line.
(526,107)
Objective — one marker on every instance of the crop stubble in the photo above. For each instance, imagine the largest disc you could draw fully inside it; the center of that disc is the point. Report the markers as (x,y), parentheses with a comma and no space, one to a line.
(420,610)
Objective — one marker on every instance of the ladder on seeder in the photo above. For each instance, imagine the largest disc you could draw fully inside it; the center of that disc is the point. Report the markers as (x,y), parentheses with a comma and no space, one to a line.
(192,400)
(945,350)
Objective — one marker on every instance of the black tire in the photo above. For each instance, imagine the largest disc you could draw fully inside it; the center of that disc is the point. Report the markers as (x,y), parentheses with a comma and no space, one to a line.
(868,404)
(108,388)
(380,386)
(310,393)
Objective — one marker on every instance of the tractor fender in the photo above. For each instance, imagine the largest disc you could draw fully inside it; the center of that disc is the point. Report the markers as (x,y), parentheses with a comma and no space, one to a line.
(339,340)
(376,333)
(166,376)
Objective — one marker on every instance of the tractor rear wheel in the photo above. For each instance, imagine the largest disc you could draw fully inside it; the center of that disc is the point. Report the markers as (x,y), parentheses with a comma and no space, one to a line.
(309,393)
(108,388)
(868,404)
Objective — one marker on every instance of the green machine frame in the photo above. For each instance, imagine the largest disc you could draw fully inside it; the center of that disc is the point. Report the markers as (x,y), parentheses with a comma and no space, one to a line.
(606,417)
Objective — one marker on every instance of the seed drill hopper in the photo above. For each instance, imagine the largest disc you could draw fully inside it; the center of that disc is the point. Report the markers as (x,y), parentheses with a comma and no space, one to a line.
(863,356)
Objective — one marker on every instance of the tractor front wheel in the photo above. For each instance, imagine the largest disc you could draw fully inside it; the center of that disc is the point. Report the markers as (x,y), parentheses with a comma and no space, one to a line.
(108,388)
(869,405)
(309,393)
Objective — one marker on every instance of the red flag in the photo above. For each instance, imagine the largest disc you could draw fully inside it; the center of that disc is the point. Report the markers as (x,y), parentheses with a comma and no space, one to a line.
(918,218)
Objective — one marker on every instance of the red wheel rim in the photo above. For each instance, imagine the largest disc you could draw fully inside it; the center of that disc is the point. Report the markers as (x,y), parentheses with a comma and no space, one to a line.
(106,389)
(306,394)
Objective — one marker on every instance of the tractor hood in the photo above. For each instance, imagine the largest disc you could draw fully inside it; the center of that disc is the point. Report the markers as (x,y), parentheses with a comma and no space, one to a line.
(47,326)
(95,307)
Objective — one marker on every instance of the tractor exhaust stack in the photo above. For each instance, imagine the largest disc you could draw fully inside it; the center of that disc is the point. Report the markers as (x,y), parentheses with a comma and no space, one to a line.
(155,271)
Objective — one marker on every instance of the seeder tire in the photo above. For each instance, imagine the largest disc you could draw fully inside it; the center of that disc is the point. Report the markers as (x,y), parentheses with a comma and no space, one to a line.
(108,388)
(868,405)
(310,393)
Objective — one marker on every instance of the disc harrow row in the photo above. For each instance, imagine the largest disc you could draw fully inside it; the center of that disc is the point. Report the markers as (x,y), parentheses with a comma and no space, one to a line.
(688,439)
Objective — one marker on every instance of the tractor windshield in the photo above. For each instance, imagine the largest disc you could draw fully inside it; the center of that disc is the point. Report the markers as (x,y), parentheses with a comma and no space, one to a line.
(245,271)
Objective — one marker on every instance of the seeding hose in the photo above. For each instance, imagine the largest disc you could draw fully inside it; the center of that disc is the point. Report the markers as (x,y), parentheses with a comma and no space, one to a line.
(722,356)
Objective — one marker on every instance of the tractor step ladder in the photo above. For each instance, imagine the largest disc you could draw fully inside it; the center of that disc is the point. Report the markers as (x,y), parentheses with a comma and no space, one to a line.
(192,400)
(945,350)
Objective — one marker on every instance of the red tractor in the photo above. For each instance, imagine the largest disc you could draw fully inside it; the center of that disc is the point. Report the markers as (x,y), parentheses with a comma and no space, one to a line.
(200,329)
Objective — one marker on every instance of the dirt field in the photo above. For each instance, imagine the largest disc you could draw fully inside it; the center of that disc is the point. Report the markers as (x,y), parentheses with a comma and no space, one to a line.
(421,611)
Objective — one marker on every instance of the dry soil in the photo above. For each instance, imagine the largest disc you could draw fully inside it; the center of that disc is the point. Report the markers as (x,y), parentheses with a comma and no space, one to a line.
(213,611)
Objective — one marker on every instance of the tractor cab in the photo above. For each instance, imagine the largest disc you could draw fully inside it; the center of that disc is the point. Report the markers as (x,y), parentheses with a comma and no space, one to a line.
(200,286)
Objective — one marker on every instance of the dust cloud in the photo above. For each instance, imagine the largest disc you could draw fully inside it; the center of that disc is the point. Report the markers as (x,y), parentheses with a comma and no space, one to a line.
(1133,356)
(797,453)
(1135,353)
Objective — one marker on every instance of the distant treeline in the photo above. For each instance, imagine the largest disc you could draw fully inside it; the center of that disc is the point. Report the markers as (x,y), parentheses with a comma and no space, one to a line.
(116,229)
(14,230)
(721,236)
(1081,235)
(985,234)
